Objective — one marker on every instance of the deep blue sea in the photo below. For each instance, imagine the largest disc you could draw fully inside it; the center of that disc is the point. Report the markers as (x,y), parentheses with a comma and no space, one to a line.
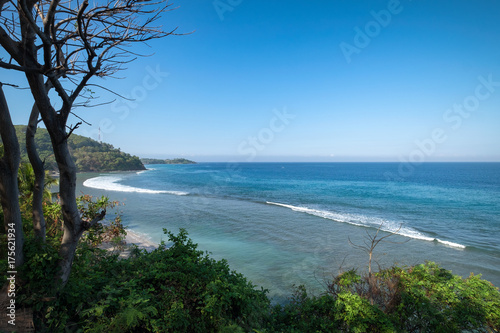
(291,223)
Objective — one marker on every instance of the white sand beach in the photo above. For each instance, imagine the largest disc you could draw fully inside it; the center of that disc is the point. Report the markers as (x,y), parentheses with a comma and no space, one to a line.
(132,238)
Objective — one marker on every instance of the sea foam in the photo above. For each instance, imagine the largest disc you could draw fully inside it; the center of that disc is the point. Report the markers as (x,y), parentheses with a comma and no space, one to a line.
(365,221)
(110,183)
(142,171)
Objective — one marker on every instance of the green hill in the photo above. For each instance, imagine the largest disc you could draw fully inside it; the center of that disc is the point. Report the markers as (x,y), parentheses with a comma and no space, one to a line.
(88,154)
(167,161)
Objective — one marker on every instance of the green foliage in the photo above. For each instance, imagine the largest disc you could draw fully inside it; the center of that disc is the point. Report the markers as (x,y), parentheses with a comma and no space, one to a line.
(167,161)
(176,289)
(113,231)
(54,221)
(347,312)
(38,273)
(424,298)
(181,289)
(433,299)
(88,206)
(37,277)
(26,184)
(88,154)
(110,159)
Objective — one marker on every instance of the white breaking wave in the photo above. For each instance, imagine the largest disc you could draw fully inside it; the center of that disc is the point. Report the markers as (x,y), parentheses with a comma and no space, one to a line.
(142,171)
(110,183)
(364,221)
(460,246)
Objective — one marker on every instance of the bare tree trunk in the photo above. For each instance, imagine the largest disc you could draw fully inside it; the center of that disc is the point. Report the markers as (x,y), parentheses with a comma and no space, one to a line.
(74,226)
(38,169)
(9,166)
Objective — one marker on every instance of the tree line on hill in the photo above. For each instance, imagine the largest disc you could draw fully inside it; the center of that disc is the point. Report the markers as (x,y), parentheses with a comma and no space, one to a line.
(167,161)
(89,155)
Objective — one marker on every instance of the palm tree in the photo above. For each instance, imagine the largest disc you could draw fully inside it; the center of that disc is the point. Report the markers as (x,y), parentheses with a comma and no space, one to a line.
(26,181)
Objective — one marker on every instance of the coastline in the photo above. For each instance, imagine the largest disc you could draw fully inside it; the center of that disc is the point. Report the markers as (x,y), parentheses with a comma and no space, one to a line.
(247,232)
(132,238)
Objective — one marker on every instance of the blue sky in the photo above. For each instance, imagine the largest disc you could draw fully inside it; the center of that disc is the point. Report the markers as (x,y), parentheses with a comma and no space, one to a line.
(405,80)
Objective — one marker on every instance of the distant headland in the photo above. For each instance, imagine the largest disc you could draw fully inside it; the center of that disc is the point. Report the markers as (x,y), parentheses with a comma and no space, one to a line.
(166,161)
(89,155)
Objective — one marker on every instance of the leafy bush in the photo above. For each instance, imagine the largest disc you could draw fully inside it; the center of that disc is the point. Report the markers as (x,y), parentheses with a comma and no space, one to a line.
(38,273)
(424,298)
(179,289)
(113,231)
(433,299)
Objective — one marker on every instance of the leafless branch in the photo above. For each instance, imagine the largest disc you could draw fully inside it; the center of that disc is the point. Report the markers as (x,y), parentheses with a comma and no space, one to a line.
(88,105)
(77,40)
(72,128)
(8,84)
(82,120)
(109,90)
(371,242)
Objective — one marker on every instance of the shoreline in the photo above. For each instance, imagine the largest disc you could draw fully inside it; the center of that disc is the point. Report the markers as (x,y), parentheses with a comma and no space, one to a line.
(132,238)
(261,236)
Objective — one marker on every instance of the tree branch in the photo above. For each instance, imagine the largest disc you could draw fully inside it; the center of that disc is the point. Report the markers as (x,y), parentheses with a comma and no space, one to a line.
(86,225)
(29,18)
(18,68)
(10,45)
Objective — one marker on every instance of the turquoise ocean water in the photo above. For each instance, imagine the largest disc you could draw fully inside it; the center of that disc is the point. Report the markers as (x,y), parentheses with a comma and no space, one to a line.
(290,223)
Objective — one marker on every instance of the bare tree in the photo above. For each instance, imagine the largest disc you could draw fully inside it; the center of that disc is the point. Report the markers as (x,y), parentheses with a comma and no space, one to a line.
(370,243)
(63,45)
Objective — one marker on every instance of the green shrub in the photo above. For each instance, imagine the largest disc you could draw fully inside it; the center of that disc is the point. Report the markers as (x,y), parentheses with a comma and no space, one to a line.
(181,289)
(176,289)
(433,299)
(424,298)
